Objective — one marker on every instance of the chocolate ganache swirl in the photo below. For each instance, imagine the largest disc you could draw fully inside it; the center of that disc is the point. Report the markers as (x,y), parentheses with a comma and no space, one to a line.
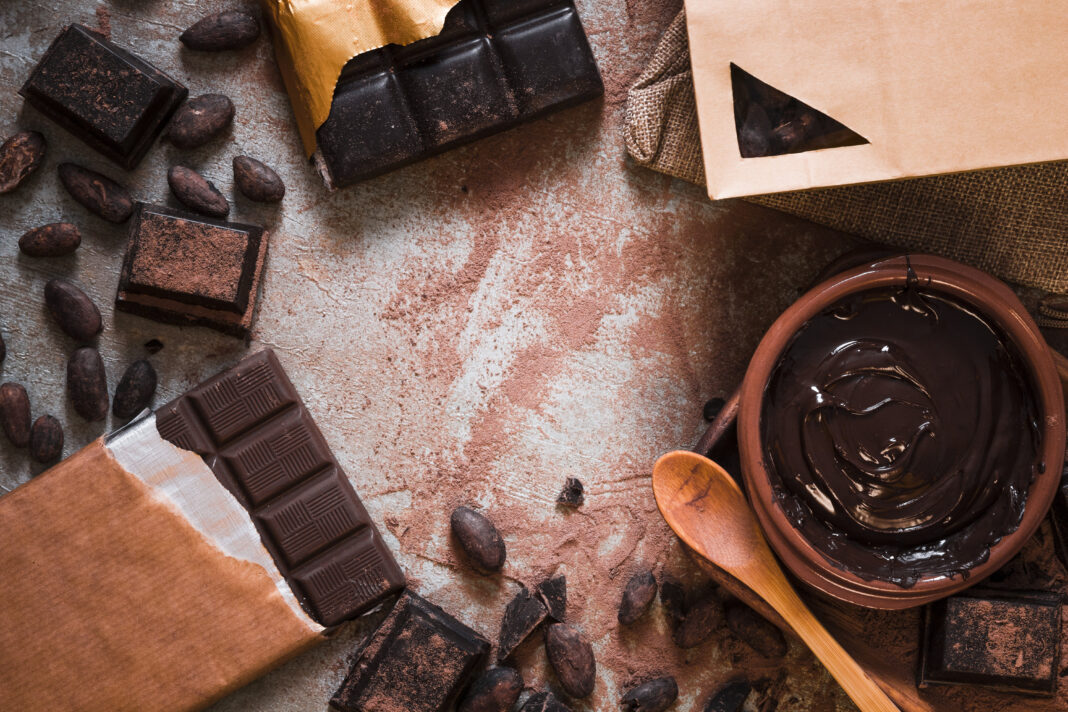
(901,432)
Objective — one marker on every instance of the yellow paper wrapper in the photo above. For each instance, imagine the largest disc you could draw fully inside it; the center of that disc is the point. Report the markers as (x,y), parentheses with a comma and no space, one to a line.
(314,39)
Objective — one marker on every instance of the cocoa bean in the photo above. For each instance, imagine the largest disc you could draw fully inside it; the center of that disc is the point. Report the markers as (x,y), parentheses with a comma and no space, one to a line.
(46,439)
(729,698)
(544,702)
(638,595)
(571,657)
(87,384)
(72,309)
(653,696)
(199,120)
(196,192)
(673,598)
(20,155)
(15,414)
(98,193)
(153,346)
(231,29)
(52,240)
(700,621)
(479,539)
(756,631)
(496,690)
(135,390)
(257,181)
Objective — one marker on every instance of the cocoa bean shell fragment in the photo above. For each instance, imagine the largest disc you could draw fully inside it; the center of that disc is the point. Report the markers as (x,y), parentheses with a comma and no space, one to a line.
(496,690)
(196,192)
(571,657)
(652,696)
(72,309)
(479,539)
(544,702)
(51,240)
(638,595)
(257,181)
(15,414)
(20,156)
(98,193)
(135,390)
(87,384)
(46,439)
(231,29)
(755,631)
(200,119)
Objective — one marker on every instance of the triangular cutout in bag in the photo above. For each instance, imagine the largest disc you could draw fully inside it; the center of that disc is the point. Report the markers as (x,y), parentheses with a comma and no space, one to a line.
(772,123)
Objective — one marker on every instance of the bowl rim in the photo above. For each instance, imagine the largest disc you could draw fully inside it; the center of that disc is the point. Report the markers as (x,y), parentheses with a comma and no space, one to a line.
(995,301)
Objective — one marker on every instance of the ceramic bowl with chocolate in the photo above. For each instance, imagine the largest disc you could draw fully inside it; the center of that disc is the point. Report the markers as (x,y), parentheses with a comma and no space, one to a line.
(901,428)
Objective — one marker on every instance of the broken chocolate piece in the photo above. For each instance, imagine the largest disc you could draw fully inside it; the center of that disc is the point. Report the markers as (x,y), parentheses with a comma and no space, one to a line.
(652,696)
(418,660)
(182,268)
(479,539)
(544,702)
(1007,640)
(109,98)
(571,657)
(553,593)
(729,698)
(496,690)
(638,595)
(522,616)
(572,493)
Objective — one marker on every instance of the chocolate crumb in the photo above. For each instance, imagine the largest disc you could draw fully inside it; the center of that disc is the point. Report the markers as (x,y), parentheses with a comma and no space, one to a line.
(572,494)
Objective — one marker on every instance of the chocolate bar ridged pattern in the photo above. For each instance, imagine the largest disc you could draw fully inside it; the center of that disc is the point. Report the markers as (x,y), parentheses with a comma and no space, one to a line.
(251,428)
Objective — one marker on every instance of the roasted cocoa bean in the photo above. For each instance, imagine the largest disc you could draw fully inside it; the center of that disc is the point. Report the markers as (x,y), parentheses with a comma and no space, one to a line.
(135,390)
(52,240)
(756,631)
(15,414)
(673,599)
(701,620)
(199,120)
(729,698)
(496,690)
(196,192)
(231,29)
(257,181)
(638,595)
(20,155)
(653,696)
(46,439)
(98,193)
(72,309)
(544,702)
(87,384)
(479,539)
(571,657)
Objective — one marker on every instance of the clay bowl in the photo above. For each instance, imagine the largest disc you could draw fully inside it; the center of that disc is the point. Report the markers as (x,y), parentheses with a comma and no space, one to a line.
(996,302)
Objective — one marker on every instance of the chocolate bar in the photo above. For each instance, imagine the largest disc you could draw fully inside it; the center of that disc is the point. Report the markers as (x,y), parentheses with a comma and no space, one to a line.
(496,63)
(419,660)
(182,268)
(1007,640)
(251,428)
(106,96)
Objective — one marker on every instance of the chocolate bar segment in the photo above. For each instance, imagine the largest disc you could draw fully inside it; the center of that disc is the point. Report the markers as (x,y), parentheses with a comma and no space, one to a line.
(103,94)
(251,428)
(495,64)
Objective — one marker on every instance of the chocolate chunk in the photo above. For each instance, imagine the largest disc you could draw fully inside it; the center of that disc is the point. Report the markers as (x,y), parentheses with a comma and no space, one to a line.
(52,240)
(544,702)
(495,691)
(572,493)
(199,120)
(135,390)
(553,593)
(755,631)
(523,614)
(196,192)
(46,439)
(638,595)
(652,696)
(87,384)
(418,660)
(15,414)
(257,181)
(571,657)
(729,698)
(98,193)
(1005,640)
(700,621)
(222,31)
(184,269)
(479,539)
(111,99)
(493,66)
(72,309)
(712,408)
(250,426)
(20,156)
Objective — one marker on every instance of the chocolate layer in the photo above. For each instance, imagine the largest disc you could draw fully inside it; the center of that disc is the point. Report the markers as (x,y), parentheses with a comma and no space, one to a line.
(251,428)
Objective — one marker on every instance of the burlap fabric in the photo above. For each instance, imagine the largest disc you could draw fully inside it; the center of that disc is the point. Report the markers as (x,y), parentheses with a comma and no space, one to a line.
(1012,222)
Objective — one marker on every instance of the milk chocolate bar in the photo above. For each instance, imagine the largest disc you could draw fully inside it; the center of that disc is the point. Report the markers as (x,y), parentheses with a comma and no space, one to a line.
(251,428)
(106,96)
(496,63)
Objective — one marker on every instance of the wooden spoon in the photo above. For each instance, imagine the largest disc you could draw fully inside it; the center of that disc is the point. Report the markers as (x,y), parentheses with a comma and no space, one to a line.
(704,505)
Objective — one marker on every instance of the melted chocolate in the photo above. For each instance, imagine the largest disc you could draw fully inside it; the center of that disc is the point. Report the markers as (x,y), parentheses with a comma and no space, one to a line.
(901,433)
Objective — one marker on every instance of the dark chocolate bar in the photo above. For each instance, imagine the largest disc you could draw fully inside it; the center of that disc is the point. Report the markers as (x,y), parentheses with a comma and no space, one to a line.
(1007,640)
(251,428)
(182,268)
(419,660)
(496,63)
(106,96)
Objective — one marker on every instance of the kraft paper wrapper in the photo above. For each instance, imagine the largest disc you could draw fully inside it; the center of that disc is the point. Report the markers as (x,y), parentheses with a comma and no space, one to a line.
(132,580)
(935,87)
(314,39)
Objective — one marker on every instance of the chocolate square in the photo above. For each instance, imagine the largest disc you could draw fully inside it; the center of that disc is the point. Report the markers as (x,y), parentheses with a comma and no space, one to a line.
(111,99)
(1007,640)
(182,268)
(419,660)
